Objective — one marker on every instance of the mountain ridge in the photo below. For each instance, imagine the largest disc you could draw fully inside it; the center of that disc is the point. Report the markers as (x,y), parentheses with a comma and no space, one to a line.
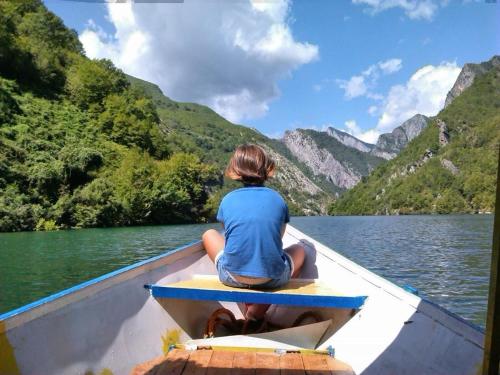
(449,167)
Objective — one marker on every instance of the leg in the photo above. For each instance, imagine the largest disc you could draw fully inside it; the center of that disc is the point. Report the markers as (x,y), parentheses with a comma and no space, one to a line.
(255,311)
(213,242)
(298,254)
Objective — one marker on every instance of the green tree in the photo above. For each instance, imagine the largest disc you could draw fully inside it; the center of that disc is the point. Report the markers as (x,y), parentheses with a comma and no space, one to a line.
(90,81)
(131,120)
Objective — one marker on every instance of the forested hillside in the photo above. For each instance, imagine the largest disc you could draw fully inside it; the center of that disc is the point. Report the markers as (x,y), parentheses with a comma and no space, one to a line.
(84,145)
(197,129)
(450,167)
(79,146)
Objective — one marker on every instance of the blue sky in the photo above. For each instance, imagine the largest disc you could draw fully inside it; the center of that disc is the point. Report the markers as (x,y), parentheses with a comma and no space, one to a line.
(363,66)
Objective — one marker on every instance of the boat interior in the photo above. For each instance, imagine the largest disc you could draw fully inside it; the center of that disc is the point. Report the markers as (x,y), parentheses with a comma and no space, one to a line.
(111,324)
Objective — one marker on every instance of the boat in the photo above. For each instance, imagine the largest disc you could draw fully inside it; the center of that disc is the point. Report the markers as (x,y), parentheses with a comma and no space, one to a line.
(129,317)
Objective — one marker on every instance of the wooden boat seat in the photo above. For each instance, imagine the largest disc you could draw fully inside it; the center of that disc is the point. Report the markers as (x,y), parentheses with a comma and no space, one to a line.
(298,292)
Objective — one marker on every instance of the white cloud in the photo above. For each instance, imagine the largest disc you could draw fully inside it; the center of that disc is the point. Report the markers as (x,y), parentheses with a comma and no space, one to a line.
(354,87)
(372,110)
(414,9)
(424,93)
(368,136)
(362,85)
(227,55)
(390,66)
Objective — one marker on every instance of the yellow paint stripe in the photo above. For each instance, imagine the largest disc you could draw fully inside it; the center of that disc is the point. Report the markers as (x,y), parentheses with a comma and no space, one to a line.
(8,364)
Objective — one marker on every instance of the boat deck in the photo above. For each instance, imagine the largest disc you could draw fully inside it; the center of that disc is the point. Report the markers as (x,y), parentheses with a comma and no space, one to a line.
(179,361)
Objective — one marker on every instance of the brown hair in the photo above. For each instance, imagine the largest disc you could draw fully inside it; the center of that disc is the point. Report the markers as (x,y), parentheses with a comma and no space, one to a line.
(250,165)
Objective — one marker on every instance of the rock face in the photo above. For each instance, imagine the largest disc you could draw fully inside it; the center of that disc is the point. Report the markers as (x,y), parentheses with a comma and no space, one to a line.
(311,198)
(349,140)
(319,160)
(448,164)
(467,75)
(444,136)
(395,141)
(291,176)
(340,165)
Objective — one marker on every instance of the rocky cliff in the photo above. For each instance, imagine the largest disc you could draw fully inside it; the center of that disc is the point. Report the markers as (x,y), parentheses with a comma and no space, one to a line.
(349,140)
(467,75)
(342,166)
(395,141)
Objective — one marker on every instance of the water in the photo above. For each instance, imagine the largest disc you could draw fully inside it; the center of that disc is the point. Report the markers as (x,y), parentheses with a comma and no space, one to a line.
(446,257)
(36,264)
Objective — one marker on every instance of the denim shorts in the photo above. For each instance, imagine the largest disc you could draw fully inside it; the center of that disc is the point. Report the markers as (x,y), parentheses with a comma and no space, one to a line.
(227,279)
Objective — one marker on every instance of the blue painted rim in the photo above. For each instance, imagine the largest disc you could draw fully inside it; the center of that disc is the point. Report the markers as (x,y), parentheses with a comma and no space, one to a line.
(346,302)
(85,284)
(453,315)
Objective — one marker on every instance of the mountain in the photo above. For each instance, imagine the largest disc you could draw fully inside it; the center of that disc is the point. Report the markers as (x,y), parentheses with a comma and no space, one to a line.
(388,144)
(338,160)
(341,165)
(349,140)
(392,143)
(467,75)
(449,167)
(199,130)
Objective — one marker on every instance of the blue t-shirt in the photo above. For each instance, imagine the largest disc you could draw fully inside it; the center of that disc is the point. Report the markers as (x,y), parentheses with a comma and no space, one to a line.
(253,217)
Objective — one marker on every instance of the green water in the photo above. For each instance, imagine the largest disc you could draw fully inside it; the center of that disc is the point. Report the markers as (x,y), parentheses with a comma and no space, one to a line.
(36,264)
(446,257)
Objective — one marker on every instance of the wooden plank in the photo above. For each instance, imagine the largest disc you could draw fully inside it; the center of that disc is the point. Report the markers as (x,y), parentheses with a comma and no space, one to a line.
(267,364)
(244,363)
(291,364)
(221,362)
(197,363)
(148,366)
(338,367)
(315,364)
(294,286)
(174,365)
(491,357)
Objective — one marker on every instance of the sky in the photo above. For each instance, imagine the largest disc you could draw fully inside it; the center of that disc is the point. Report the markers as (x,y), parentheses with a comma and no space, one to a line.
(361,66)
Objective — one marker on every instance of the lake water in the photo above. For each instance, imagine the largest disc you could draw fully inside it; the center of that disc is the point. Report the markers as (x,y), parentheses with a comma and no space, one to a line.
(446,257)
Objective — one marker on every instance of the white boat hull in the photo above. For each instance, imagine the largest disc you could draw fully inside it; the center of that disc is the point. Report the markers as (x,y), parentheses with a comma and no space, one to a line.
(110,324)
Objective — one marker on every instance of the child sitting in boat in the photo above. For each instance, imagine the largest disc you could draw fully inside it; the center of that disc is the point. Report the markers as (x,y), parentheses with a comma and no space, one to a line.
(250,254)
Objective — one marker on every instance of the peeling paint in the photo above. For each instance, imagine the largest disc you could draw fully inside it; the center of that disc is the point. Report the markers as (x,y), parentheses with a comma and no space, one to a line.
(171,337)
(8,364)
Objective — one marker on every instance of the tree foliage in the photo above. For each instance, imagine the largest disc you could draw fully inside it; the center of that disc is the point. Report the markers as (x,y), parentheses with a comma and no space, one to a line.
(80,147)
